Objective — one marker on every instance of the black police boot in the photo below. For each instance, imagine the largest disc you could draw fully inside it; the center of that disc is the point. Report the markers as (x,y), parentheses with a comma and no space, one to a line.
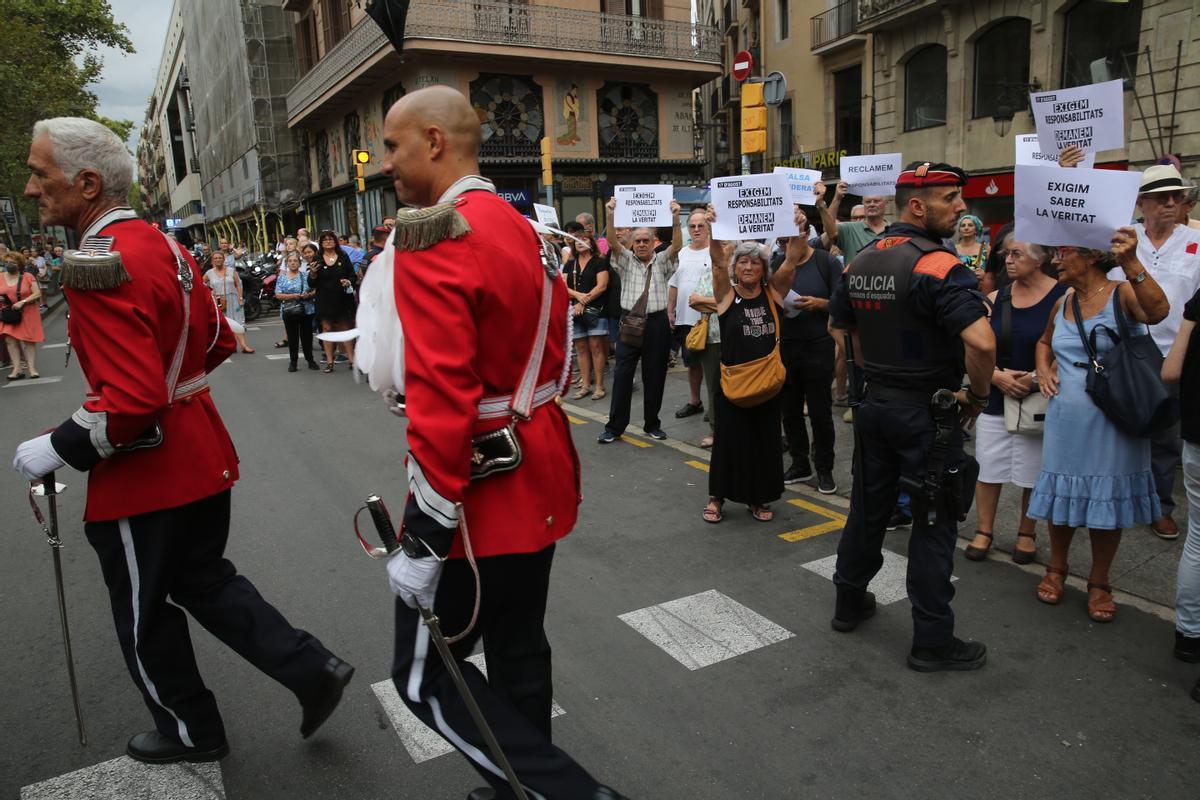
(317,708)
(152,747)
(958,656)
(1187,648)
(853,606)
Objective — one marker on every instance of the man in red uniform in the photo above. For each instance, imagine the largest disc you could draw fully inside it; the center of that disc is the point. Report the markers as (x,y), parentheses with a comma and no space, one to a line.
(147,333)
(470,284)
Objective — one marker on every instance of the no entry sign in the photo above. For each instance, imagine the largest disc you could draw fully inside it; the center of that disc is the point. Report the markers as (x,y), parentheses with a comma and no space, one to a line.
(743,62)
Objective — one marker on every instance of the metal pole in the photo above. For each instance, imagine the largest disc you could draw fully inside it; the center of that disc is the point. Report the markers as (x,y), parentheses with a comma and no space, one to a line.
(1154,94)
(1175,96)
(1137,97)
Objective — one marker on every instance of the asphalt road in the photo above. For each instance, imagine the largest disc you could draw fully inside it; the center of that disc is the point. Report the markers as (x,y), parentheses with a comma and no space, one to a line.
(740,690)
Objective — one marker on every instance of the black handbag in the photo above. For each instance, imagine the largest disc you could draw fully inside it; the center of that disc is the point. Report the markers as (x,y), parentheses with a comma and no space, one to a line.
(1126,383)
(294,309)
(10,314)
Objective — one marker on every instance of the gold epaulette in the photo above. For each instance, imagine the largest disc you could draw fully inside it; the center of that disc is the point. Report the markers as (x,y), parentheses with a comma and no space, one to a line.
(89,270)
(422,228)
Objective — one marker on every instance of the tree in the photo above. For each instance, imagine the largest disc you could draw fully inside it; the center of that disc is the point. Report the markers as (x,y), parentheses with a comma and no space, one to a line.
(48,60)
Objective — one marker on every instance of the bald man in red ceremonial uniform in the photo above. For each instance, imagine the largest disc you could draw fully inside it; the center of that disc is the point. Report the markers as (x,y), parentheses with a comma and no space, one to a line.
(160,462)
(491,464)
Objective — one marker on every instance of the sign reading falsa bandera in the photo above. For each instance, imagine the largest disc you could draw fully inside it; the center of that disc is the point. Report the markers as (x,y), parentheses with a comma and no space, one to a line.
(643,206)
(1080,207)
(753,207)
(802,183)
(869,176)
(1089,117)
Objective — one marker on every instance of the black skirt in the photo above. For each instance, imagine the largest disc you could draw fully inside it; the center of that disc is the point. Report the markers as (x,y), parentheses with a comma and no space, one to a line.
(747,453)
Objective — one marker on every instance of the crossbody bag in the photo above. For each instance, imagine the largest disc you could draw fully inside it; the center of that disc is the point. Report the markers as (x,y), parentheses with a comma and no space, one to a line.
(633,324)
(755,382)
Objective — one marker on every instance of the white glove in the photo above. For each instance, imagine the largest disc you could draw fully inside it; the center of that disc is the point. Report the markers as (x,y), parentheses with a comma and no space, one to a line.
(414,580)
(37,457)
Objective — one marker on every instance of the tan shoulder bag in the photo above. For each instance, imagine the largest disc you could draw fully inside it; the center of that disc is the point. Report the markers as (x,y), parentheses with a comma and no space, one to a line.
(755,382)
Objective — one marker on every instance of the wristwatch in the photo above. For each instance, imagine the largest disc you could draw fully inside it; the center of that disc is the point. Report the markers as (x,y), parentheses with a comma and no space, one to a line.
(976,400)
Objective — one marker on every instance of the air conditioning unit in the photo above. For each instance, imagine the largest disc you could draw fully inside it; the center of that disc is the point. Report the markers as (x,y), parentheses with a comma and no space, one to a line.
(194,165)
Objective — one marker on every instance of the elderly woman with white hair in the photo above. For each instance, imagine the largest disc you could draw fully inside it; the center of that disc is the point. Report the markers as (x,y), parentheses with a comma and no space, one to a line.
(747,455)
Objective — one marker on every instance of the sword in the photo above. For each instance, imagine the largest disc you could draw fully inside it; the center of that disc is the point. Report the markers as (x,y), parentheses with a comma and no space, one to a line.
(49,489)
(387,535)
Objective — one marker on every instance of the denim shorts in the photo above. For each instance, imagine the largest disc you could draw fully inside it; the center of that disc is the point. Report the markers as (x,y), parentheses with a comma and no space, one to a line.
(582,331)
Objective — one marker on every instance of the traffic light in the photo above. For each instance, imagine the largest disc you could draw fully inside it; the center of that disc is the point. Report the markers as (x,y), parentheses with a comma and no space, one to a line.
(754,119)
(547,172)
(361,158)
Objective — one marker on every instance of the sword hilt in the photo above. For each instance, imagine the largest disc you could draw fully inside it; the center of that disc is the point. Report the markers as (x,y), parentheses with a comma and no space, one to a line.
(383,523)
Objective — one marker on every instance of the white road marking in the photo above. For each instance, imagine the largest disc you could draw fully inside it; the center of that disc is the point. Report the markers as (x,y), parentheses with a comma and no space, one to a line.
(32,382)
(888,585)
(705,628)
(123,778)
(423,743)
(253,328)
(54,346)
(277,357)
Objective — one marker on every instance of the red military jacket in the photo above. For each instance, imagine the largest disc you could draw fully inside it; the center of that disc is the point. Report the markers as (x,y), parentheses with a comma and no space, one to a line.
(470,307)
(145,451)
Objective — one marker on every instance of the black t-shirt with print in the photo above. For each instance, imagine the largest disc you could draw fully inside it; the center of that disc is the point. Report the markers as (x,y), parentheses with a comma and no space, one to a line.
(1189,381)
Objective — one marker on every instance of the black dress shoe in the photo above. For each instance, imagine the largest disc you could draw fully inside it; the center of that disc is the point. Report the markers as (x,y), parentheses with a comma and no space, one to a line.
(152,747)
(1187,648)
(958,656)
(292,367)
(335,675)
(853,606)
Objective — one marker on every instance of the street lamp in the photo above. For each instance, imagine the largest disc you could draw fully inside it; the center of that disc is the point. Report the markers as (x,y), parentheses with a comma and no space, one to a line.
(1002,117)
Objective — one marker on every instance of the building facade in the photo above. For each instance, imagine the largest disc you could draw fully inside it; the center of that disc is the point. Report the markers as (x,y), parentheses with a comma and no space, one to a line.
(609,82)
(168,167)
(947,74)
(241,65)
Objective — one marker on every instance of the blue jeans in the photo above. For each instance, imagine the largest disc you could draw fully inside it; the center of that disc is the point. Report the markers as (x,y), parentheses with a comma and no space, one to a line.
(1187,593)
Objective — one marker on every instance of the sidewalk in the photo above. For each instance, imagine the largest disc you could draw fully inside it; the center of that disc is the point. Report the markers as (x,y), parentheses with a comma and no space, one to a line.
(1145,566)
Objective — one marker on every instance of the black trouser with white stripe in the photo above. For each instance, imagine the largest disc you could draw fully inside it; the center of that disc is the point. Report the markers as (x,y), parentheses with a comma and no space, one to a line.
(158,562)
(517,695)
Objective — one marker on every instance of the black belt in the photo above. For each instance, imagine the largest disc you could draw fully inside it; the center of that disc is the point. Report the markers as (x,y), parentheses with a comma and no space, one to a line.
(916,397)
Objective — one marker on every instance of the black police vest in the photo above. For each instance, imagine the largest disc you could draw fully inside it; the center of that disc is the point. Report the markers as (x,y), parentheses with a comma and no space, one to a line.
(900,349)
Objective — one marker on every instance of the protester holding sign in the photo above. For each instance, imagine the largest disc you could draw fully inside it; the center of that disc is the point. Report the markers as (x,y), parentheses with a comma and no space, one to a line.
(853,236)
(1093,474)
(1091,117)
(586,275)
(747,465)
(644,206)
(753,207)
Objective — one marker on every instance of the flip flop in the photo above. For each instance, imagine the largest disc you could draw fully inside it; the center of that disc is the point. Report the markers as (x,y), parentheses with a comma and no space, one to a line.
(710,514)
(761,513)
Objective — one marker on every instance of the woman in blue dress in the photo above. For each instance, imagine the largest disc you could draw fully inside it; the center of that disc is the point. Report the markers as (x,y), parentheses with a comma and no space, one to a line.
(1093,475)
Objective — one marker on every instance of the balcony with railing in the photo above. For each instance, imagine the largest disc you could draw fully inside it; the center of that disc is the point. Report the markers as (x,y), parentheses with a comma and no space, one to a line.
(835,28)
(883,14)
(542,33)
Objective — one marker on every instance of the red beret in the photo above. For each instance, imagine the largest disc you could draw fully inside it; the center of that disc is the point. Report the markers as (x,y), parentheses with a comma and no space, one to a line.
(920,174)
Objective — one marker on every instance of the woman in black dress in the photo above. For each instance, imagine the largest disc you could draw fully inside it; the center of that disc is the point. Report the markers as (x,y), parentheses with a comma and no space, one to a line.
(747,454)
(332,276)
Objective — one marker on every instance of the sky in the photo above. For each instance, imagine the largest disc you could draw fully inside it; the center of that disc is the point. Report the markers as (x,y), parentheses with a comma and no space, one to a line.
(127,80)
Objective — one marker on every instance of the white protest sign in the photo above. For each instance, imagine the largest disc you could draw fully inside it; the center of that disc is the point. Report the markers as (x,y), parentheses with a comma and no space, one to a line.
(644,206)
(872,175)
(753,207)
(1081,207)
(1030,154)
(801,182)
(1091,117)
(547,215)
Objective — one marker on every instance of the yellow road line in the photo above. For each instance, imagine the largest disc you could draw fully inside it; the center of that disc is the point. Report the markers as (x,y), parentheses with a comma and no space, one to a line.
(635,442)
(576,420)
(836,522)
(700,465)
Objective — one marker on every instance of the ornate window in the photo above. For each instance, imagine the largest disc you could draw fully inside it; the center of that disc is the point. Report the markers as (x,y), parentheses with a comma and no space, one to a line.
(324,181)
(1002,67)
(351,131)
(1101,41)
(925,88)
(391,96)
(510,114)
(628,120)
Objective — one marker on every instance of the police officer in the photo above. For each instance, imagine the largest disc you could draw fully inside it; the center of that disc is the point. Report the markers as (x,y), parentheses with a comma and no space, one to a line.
(908,304)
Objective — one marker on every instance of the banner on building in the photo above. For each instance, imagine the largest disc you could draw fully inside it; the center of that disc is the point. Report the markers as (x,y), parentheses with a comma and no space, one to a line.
(801,182)
(1080,207)
(1091,117)
(1030,154)
(647,206)
(753,207)
(870,176)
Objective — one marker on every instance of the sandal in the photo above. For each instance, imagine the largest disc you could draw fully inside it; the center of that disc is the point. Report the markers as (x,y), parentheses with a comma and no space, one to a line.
(328,368)
(706,443)
(1050,590)
(761,513)
(281,343)
(712,511)
(17,377)
(35,375)
(599,394)
(247,349)
(974,553)
(1020,556)
(583,392)
(1100,607)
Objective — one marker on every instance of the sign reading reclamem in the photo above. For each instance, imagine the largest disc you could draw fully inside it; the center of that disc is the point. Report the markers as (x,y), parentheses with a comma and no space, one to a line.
(753,207)
(644,206)
(1030,154)
(1089,117)
(547,215)
(872,175)
(801,182)
(1081,207)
